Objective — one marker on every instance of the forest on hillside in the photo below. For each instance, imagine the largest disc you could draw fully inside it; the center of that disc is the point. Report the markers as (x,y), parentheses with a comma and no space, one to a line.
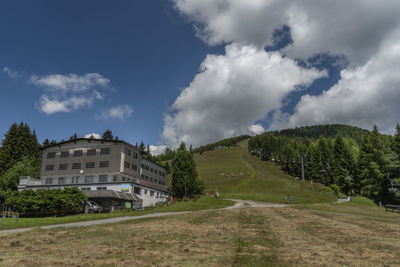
(349,160)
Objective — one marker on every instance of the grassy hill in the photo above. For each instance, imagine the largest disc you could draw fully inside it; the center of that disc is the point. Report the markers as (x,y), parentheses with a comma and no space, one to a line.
(236,174)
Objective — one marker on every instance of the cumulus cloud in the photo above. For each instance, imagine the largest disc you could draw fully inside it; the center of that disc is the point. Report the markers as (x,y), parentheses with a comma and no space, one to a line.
(157,150)
(93,135)
(364,34)
(356,29)
(120,112)
(70,82)
(69,92)
(256,129)
(231,92)
(363,96)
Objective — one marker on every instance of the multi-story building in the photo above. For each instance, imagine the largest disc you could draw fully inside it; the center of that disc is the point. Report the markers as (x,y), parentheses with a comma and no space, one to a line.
(116,168)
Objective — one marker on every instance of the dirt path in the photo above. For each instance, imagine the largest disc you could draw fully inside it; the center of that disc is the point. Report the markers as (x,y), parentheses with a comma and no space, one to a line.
(239,203)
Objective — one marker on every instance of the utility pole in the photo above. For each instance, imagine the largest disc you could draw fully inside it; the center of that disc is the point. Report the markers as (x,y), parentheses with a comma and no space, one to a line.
(302,168)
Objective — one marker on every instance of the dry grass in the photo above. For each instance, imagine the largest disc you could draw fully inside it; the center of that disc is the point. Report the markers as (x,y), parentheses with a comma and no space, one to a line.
(331,235)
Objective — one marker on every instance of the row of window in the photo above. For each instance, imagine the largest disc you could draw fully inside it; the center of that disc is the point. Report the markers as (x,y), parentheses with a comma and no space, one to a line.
(77,179)
(128,165)
(79,153)
(155,171)
(136,190)
(78,165)
(127,152)
(147,178)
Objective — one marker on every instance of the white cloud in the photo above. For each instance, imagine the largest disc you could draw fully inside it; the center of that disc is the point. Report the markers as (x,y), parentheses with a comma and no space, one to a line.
(94,135)
(70,82)
(51,105)
(356,29)
(231,92)
(364,33)
(363,96)
(256,129)
(120,112)
(157,150)
(69,92)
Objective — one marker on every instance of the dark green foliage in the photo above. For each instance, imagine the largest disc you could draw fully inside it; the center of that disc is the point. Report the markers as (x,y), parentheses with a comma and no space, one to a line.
(222,143)
(396,142)
(183,171)
(51,200)
(182,146)
(26,167)
(19,143)
(345,158)
(107,135)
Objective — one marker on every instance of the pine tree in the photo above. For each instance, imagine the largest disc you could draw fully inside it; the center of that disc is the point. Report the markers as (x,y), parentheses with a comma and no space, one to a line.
(372,165)
(141,145)
(182,146)
(19,143)
(396,142)
(184,172)
(341,166)
(107,135)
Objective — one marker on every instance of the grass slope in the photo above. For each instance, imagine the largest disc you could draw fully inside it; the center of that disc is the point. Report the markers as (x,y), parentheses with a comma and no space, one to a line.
(263,181)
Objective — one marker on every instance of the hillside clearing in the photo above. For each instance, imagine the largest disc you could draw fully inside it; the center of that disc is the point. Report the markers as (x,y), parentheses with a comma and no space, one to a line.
(236,174)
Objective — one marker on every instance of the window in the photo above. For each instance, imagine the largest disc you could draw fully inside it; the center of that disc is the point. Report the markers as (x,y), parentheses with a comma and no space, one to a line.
(143,167)
(147,168)
(76,165)
(155,180)
(51,155)
(145,191)
(135,155)
(91,152)
(89,179)
(126,164)
(78,153)
(49,180)
(155,171)
(103,178)
(65,154)
(151,179)
(136,190)
(90,165)
(134,167)
(49,167)
(85,188)
(163,183)
(159,181)
(127,152)
(75,179)
(123,178)
(104,151)
(101,188)
(114,178)
(63,167)
(151,169)
(104,164)
(61,180)
(151,193)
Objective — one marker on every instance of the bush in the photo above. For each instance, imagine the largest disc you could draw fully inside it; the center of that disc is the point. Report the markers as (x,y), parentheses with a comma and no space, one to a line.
(47,201)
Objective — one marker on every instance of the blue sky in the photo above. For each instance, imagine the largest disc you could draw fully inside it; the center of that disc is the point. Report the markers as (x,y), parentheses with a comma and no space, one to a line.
(165,71)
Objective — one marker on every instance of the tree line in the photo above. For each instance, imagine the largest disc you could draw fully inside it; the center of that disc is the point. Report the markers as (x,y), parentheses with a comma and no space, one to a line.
(349,160)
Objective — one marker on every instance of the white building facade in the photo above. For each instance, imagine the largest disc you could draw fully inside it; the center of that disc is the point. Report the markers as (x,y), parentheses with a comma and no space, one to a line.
(101,165)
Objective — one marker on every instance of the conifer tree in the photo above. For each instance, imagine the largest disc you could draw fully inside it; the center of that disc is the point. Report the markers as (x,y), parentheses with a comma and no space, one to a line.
(184,173)
(107,135)
(396,142)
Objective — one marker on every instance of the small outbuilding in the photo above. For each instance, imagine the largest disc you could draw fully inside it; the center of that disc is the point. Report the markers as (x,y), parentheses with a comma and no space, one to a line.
(115,200)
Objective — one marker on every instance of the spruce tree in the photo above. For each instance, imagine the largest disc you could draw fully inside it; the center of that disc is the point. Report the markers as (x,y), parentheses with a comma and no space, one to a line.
(183,171)
(396,142)
(107,135)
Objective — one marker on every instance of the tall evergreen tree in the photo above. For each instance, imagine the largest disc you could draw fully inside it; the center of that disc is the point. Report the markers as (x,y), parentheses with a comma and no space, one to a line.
(372,166)
(19,143)
(396,142)
(107,135)
(184,172)
(182,146)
